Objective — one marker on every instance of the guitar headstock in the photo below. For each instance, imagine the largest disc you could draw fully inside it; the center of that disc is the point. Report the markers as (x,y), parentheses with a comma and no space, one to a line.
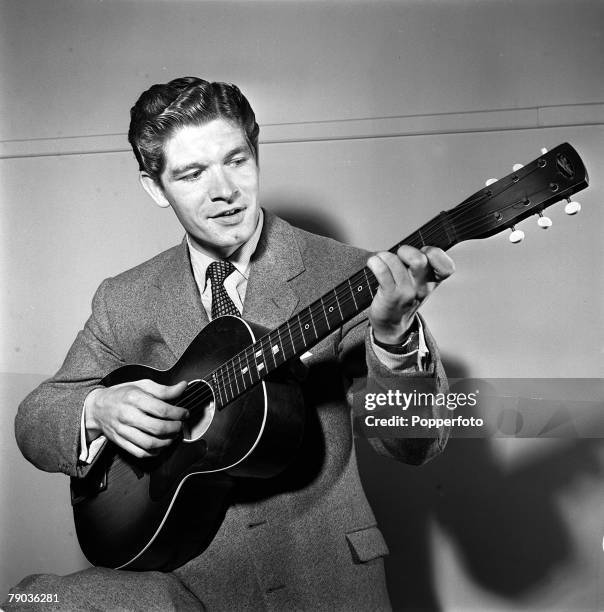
(553,176)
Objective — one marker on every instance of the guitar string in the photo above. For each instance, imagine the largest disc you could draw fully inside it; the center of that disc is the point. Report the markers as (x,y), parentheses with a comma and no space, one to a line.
(219,375)
(227,374)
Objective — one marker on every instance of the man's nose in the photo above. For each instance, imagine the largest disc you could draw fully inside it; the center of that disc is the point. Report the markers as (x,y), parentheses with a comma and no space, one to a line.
(221,187)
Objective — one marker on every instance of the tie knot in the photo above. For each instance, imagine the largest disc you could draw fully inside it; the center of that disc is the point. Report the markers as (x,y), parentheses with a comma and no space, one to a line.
(218,270)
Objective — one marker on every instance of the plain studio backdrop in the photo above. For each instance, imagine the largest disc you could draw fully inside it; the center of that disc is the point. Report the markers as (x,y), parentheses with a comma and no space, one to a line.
(374,117)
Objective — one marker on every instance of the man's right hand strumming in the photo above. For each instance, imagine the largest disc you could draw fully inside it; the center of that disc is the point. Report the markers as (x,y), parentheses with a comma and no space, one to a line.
(136,416)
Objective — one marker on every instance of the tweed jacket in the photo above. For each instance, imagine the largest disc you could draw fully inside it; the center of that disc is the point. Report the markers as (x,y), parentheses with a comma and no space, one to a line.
(307,539)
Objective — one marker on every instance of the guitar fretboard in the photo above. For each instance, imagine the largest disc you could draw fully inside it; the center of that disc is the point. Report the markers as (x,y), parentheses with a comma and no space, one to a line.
(313,323)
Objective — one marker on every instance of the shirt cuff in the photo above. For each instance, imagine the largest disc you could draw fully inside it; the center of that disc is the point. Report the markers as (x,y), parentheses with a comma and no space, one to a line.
(417,357)
(88,452)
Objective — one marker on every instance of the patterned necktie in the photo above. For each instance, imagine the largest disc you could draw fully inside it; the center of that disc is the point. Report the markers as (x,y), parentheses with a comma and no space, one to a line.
(222,304)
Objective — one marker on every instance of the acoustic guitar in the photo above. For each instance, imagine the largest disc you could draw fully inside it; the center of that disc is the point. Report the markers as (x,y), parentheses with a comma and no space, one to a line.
(246,412)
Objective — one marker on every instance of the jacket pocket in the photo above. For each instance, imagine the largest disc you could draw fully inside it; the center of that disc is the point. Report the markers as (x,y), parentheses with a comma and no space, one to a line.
(366,544)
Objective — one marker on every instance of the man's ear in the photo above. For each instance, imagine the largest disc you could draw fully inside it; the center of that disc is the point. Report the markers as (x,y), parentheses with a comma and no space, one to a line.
(153,189)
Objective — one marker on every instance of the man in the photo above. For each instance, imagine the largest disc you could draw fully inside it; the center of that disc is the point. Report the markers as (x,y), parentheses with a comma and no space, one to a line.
(306,539)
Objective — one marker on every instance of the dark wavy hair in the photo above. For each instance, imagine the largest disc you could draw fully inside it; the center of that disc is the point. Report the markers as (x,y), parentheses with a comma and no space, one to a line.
(167,107)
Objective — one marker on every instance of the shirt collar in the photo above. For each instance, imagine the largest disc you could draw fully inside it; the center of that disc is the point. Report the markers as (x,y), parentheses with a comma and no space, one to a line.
(241,258)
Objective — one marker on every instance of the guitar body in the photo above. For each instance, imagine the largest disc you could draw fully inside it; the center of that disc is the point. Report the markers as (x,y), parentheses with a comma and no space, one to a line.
(158,513)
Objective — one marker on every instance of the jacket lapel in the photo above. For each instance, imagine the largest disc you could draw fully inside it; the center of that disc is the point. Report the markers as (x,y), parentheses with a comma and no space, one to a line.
(180,314)
(269,299)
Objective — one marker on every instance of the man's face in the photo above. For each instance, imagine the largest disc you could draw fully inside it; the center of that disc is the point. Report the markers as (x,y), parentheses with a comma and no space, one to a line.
(211,182)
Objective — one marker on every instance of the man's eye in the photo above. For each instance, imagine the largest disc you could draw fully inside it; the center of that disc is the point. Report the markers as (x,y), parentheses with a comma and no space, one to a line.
(237,161)
(191,177)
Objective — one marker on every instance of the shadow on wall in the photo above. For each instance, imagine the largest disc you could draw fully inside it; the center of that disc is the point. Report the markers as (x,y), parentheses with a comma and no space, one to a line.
(305,216)
(504,524)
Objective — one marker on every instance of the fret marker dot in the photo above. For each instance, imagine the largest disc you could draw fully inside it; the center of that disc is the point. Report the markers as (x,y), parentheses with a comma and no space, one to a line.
(244,370)
(275,349)
(331,309)
(306,326)
(260,366)
(360,288)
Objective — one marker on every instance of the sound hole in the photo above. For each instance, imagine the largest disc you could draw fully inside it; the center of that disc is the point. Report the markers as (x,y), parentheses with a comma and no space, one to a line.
(201,413)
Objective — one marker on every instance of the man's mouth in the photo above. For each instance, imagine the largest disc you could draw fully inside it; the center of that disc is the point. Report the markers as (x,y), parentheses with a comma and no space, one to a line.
(227,213)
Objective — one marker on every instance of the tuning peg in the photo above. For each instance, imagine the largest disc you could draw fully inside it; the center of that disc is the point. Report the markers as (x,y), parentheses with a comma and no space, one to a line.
(544,222)
(517,167)
(543,150)
(516,236)
(572,208)
(490,181)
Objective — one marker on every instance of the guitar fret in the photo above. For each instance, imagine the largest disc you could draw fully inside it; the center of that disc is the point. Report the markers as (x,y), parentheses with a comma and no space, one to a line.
(230,384)
(259,354)
(249,369)
(223,381)
(312,320)
(279,346)
(320,322)
(254,365)
(352,293)
(331,312)
(338,303)
(368,283)
(217,388)
(289,329)
(421,238)
(239,370)
(325,313)
(361,291)
(346,301)
(306,326)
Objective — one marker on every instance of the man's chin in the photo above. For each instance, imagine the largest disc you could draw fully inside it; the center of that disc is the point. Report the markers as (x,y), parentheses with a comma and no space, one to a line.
(220,246)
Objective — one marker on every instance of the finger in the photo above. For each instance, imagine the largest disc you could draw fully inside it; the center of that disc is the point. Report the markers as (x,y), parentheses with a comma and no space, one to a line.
(379,265)
(159,428)
(162,410)
(134,450)
(441,264)
(400,273)
(415,261)
(161,391)
(142,440)
(138,398)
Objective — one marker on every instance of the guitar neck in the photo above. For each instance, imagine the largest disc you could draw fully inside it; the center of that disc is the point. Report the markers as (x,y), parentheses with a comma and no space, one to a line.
(315,322)
(529,190)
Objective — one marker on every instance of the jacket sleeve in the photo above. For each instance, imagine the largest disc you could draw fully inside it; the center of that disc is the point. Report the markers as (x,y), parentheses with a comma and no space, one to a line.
(47,425)
(365,373)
